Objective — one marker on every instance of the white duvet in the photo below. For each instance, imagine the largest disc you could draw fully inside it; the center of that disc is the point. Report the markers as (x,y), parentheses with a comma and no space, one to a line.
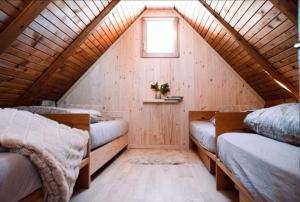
(55,149)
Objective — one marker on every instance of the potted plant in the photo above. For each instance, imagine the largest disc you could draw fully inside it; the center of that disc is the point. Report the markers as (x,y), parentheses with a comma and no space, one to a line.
(162,89)
(156,88)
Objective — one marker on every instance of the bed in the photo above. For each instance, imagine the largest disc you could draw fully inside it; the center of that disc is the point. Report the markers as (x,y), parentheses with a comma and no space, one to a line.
(104,149)
(25,184)
(106,131)
(202,137)
(16,183)
(267,168)
(234,169)
(107,138)
(204,133)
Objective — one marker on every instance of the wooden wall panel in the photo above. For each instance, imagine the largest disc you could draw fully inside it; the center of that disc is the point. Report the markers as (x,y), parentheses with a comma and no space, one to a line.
(119,81)
(262,23)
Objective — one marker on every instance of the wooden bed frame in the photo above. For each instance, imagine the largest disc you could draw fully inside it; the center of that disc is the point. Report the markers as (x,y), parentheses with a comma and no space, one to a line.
(225,179)
(94,160)
(225,122)
(208,158)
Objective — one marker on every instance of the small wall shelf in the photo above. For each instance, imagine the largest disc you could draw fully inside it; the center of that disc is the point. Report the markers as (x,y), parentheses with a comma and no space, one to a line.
(160,101)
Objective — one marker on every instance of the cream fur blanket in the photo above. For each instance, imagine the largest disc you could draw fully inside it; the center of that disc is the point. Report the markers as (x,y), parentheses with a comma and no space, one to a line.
(55,149)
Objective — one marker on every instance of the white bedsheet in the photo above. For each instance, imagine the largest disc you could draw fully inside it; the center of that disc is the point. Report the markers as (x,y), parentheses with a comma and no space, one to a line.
(269,169)
(18,177)
(204,132)
(106,131)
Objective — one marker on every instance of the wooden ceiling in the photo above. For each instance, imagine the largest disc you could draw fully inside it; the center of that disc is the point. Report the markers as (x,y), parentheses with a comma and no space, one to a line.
(54,47)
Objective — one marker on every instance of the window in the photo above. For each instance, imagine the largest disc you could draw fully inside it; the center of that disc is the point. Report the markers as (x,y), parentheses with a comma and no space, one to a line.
(160,37)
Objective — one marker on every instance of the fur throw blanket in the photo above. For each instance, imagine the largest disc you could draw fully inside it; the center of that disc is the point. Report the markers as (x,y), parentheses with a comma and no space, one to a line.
(55,149)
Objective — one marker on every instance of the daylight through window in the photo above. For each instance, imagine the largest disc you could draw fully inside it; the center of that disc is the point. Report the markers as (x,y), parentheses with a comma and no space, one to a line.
(160,37)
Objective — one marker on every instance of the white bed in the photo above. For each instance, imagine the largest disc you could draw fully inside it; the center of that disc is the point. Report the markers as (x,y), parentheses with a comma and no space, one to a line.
(106,131)
(101,132)
(204,133)
(268,169)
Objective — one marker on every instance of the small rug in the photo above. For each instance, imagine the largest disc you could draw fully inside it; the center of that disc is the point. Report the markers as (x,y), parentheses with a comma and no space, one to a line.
(159,158)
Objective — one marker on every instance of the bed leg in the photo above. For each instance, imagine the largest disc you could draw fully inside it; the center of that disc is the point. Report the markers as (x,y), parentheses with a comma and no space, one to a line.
(212,168)
(223,182)
(84,179)
(192,145)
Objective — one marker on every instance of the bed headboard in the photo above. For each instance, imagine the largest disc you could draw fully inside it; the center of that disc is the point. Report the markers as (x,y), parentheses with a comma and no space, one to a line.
(80,121)
(200,115)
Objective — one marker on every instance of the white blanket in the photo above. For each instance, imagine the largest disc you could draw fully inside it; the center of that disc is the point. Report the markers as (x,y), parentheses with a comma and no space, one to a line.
(55,149)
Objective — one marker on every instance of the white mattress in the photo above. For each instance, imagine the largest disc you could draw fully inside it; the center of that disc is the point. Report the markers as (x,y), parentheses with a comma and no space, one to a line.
(269,169)
(18,177)
(204,133)
(106,131)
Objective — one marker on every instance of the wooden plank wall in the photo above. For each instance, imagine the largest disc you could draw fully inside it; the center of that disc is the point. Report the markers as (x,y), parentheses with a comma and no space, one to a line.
(261,23)
(120,80)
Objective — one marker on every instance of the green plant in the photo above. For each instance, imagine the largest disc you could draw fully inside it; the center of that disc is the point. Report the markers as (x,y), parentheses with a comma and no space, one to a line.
(155,87)
(164,88)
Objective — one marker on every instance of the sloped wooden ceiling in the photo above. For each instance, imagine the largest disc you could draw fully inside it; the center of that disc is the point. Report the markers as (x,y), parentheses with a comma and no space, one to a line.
(49,42)
(264,27)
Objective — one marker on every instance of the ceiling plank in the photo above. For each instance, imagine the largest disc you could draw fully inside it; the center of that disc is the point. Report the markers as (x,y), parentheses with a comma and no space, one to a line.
(20,23)
(287,9)
(38,84)
(265,65)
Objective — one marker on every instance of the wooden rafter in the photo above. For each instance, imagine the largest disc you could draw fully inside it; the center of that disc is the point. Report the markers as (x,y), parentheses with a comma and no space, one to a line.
(264,64)
(20,23)
(287,9)
(38,84)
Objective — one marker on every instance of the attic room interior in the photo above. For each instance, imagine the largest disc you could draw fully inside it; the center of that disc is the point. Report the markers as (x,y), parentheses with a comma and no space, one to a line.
(171,100)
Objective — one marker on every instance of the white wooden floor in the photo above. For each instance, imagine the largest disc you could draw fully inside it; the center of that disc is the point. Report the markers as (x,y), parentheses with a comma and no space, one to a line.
(124,181)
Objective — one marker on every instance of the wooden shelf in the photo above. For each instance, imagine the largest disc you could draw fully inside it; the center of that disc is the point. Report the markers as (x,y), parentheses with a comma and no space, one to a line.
(160,101)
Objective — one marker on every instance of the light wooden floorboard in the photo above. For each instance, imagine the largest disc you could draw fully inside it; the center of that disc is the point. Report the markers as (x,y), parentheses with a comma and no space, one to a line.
(126,181)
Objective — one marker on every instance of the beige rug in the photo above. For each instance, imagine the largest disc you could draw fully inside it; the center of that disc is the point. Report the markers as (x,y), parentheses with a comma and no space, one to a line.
(157,157)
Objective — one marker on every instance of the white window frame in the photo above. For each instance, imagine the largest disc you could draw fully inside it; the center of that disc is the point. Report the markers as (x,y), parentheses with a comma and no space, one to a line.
(175,53)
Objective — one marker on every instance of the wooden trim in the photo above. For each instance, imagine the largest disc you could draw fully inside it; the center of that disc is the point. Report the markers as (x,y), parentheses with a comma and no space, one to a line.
(40,82)
(225,180)
(264,64)
(229,122)
(103,154)
(287,9)
(21,22)
(175,53)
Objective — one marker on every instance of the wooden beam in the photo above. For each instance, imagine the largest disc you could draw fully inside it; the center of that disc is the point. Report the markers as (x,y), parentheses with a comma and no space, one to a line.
(287,9)
(264,63)
(67,52)
(20,23)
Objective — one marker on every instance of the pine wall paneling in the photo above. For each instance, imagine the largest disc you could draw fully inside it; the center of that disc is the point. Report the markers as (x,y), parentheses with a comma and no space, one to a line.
(119,81)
